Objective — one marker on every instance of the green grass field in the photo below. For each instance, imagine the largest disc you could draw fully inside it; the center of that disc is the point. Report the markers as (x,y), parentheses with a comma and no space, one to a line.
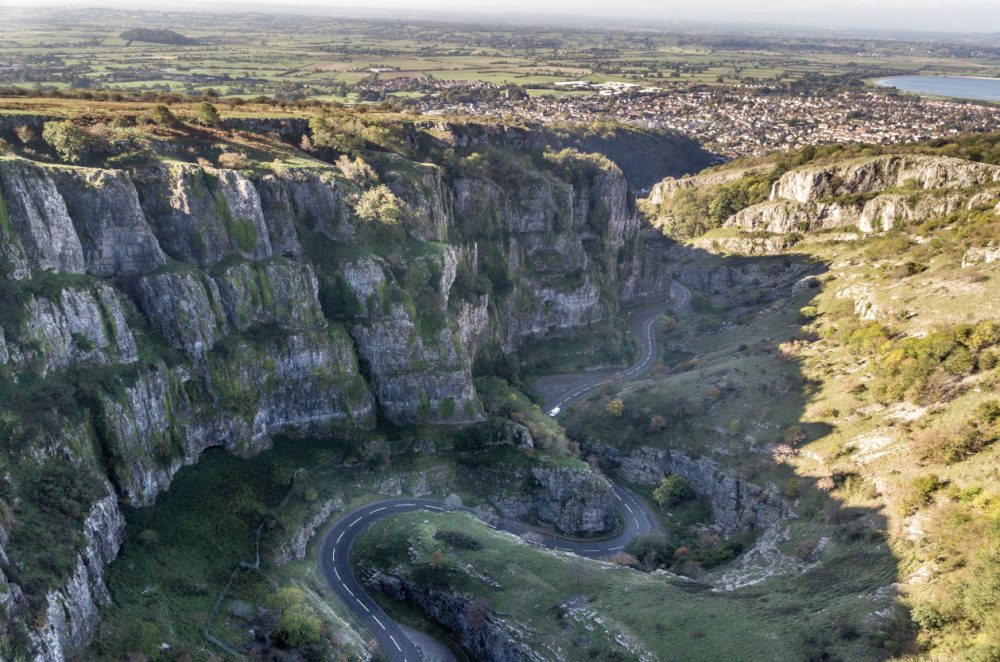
(665,616)
(240,55)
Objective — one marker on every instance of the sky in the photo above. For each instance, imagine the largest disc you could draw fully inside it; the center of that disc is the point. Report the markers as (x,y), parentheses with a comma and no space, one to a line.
(979,16)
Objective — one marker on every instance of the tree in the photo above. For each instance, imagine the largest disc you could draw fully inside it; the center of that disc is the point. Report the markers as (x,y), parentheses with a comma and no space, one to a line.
(233,160)
(162,115)
(615,407)
(297,628)
(70,141)
(298,624)
(379,204)
(339,132)
(208,115)
(673,490)
(985,334)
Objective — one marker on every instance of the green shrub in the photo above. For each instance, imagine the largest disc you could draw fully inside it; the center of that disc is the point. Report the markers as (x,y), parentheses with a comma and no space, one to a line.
(446,408)
(207,114)
(808,313)
(653,550)
(162,115)
(83,342)
(673,490)
(920,492)
(457,539)
(298,628)
(380,205)
(70,141)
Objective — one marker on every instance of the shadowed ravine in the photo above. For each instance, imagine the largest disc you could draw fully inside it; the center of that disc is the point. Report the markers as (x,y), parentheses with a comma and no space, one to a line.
(561,391)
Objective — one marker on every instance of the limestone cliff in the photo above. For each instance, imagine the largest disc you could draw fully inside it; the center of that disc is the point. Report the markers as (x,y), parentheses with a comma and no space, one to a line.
(573,501)
(155,311)
(873,195)
(489,638)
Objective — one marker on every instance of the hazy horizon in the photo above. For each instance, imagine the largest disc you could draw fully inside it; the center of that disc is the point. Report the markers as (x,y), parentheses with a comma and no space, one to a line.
(971,16)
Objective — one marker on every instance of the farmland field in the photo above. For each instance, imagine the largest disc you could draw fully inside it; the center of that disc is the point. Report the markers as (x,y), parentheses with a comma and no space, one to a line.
(307,56)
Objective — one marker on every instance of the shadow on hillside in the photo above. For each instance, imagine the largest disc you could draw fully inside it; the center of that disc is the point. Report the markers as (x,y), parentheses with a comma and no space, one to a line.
(731,385)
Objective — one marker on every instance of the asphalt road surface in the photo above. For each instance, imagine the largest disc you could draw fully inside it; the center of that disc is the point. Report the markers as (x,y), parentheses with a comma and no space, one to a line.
(637,518)
(564,391)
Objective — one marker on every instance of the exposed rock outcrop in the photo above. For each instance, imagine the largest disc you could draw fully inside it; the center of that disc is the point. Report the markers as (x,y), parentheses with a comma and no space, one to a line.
(294,548)
(573,501)
(736,503)
(187,301)
(72,611)
(42,236)
(487,638)
(202,215)
(392,339)
(874,194)
(104,207)
(876,174)
(980,255)
(82,326)
(183,308)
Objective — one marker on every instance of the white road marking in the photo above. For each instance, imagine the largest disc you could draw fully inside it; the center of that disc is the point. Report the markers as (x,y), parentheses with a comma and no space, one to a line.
(337,572)
(333,557)
(646,360)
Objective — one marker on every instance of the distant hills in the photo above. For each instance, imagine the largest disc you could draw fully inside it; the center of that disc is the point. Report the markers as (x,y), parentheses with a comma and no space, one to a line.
(159,36)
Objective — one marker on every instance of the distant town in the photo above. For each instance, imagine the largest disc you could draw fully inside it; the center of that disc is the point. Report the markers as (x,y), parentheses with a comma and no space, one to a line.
(735,120)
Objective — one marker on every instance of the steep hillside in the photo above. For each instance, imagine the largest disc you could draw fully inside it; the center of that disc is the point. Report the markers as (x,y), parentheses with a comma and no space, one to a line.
(895,353)
(155,305)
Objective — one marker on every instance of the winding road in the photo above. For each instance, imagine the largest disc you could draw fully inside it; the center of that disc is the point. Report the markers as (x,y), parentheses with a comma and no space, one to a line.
(637,518)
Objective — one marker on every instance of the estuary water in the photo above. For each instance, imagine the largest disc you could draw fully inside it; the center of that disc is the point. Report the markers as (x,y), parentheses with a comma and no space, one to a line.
(959,87)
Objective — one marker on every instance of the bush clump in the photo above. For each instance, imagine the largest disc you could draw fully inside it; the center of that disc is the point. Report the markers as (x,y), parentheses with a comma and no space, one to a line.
(457,539)
(673,490)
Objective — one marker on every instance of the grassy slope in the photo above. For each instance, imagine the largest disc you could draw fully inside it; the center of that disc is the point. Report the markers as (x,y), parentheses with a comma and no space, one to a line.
(866,437)
(666,616)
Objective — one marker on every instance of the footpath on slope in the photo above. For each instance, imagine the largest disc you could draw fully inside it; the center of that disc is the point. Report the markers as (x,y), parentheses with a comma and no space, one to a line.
(563,391)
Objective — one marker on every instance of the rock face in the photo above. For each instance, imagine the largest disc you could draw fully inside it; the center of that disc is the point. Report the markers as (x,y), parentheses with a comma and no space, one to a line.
(874,175)
(78,327)
(42,237)
(573,501)
(176,307)
(72,612)
(488,638)
(664,190)
(392,337)
(736,503)
(866,194)
(569,248)
(983,255)
(202,215)
(183,307)
(114,234)
(769,279)
(295,548)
